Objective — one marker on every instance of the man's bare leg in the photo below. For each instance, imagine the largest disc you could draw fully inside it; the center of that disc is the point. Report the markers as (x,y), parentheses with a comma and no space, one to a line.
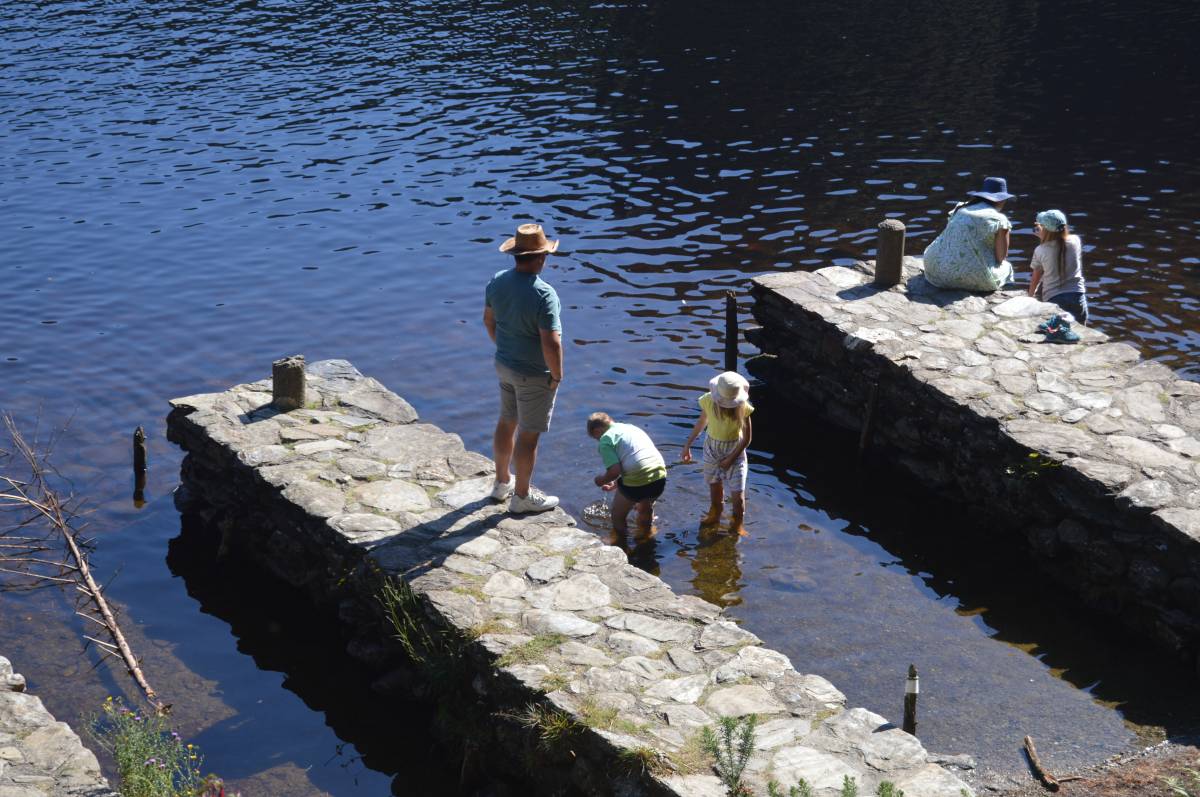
(524,458)
(502,447)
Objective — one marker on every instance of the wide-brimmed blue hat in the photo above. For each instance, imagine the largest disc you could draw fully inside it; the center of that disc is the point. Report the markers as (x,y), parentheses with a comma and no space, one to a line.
(995,189)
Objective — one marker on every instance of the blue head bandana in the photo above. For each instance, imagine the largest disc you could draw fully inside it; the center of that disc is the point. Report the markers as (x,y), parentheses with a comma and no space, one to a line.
(1052,220)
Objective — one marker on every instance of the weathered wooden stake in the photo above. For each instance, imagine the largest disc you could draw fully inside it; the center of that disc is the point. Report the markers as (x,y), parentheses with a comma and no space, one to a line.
(889,254)
(139,450)
(287,383)
(911,688)
(731,332)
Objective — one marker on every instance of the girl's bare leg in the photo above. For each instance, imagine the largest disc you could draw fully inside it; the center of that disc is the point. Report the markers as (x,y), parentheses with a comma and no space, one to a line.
(738,500)
(716,497)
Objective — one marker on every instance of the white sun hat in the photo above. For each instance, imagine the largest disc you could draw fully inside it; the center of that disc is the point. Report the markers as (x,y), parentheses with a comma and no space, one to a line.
(729,389)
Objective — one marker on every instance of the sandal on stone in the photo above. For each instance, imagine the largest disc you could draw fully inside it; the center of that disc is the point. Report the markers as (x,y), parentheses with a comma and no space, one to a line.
(1050,324)
(1062,334)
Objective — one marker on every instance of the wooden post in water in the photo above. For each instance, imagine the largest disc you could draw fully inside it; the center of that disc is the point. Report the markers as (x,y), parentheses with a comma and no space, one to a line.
(139,467)
(889,254)
(139,451)
(731,332)
(287,383)
(911,688)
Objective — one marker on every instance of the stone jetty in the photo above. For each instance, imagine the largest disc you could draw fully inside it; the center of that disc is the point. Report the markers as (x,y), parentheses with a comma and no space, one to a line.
(1085,454)
(570,649)
(38,755)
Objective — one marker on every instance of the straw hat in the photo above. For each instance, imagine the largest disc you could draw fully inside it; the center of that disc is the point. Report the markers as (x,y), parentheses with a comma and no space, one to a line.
(729,389)
(529,240)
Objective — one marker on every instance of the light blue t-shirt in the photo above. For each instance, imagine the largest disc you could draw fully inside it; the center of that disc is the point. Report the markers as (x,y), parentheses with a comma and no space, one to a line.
(522,304)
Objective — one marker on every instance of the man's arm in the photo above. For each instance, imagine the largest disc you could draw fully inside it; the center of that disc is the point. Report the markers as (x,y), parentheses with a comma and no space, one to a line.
(489,321)
(552,351)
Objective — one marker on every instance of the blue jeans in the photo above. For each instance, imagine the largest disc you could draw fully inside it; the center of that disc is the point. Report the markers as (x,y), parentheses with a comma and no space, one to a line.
(1074,303)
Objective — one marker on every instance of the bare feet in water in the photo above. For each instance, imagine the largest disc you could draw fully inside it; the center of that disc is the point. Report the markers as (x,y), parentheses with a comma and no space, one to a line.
(712,518)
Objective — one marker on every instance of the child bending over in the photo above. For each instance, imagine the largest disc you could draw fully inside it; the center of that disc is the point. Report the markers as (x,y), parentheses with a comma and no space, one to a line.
(635,470)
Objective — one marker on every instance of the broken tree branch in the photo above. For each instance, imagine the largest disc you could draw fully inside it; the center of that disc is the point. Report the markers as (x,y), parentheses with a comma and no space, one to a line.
(39,496)
(1045,777)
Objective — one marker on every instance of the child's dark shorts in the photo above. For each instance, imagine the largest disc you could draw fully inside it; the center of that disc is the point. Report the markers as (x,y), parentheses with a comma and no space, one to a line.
(645,492)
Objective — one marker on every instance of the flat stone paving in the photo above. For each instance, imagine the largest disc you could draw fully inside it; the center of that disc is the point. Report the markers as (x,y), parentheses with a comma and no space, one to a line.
(416,503)
(38,755)
(1130,424)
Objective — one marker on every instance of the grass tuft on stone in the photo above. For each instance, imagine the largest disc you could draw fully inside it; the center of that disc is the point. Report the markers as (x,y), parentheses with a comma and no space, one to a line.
(642,761)
(595,715)
(533,650)
(555,729)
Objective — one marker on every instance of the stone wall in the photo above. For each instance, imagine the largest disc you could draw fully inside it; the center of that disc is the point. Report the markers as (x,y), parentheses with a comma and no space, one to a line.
(554,660)
(1085,454)
(39,756)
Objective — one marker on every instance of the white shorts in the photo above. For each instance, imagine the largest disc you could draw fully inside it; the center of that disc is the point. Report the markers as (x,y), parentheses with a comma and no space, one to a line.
(734,477)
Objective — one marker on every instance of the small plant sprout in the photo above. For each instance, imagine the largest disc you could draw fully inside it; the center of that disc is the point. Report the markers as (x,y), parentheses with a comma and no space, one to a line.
(801,789)
(888,789)
(849,786)
(731,747)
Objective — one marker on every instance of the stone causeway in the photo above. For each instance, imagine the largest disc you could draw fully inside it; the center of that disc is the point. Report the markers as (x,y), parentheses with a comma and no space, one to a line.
(38,755)
(354,483)
(1086,454)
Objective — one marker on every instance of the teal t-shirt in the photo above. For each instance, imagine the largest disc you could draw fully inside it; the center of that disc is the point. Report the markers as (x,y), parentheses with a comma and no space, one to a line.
(522,304)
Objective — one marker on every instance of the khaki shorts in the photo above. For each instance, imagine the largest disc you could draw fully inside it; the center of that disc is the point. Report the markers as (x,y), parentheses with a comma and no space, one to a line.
(527,399)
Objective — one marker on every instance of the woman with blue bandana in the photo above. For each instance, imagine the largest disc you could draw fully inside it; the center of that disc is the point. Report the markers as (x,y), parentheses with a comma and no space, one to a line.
(971,253)
(1057,265)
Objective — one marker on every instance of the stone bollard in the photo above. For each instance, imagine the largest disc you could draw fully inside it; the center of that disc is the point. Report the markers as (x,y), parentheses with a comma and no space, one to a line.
(287,383)
(889,255)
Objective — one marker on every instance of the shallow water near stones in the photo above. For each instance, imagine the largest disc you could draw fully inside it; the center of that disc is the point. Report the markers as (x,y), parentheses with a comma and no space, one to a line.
(193,193)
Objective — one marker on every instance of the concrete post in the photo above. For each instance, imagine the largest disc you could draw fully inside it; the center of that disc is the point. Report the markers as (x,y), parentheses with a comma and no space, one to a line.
(287,383)
(889,255)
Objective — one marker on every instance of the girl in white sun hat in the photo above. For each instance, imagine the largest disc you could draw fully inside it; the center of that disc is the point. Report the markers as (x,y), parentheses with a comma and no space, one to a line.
(725,413)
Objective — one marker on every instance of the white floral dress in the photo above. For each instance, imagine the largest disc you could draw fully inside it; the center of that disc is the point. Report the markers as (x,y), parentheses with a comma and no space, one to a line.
(964,255)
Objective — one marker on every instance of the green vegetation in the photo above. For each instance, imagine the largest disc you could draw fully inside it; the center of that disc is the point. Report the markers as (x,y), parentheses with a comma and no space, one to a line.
(533,650)
(888,789)
(801,789)
(152,760)
(642,761)
(849,786)
(731,747)
(1178,788)
(555,729)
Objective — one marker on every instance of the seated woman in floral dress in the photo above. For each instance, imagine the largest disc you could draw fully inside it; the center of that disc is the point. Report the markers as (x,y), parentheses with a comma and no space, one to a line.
(971,253)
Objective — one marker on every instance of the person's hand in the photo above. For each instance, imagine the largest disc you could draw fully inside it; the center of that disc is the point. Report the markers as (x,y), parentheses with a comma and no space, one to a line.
(727,462)
(608,488)
(686,456)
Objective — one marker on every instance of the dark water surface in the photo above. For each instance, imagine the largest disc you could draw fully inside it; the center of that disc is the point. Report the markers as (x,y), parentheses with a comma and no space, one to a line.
(192,190)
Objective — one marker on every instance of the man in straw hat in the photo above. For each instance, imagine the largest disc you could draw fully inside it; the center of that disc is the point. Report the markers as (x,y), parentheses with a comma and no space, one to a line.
(521,314)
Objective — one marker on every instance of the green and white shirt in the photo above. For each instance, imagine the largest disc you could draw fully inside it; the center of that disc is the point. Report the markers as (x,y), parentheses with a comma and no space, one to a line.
(640,461)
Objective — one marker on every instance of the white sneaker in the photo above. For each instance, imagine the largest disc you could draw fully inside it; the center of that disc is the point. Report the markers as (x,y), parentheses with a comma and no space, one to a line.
(502,490)
(534,502)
